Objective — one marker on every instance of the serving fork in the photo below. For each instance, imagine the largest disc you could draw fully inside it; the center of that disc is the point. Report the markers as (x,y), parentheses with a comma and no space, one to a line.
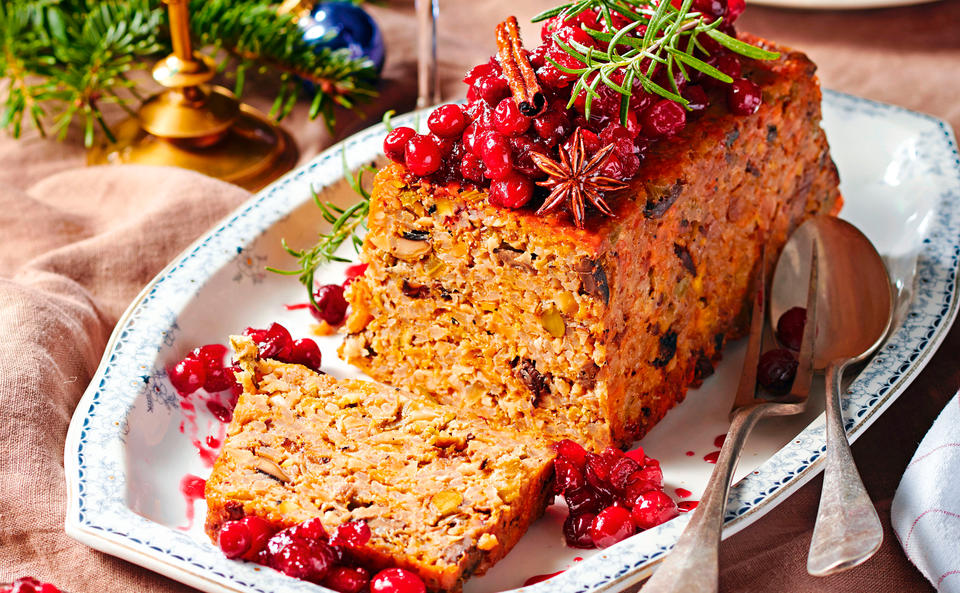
(692,566)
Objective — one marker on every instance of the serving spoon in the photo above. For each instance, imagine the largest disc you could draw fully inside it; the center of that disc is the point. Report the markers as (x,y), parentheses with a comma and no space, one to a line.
(855,311)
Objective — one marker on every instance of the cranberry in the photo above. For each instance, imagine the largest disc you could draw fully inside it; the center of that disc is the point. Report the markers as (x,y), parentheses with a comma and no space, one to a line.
(552,126)
(620,137)
(511,191)
(235,539)
(571,451)
(508,120)
(568,475)
(663,118)
(637,455)
(637,486)
(481,71)
(217,378)
(621,471)
(444,145)
(612,525)
(447,121)
(653,508)
(396,580)
(583,500)
(422,156)
(471,167)
(345,579)
(697,99)
(492,89)
(188,375)
(244,538)
(729,65)
(331,306)
(790,327)
(471,138)
(352,534)
(306,352)
(496,153)
(652,473)
(710,8)
(734,9)
(301,560)
(776,370)
(24,585)
(396,141)
(576,531)
(523,148)
(309,530)
(744,97)
(273,342)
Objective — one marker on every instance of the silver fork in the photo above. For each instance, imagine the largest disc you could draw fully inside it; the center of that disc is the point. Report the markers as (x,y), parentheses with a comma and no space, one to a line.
(692,566)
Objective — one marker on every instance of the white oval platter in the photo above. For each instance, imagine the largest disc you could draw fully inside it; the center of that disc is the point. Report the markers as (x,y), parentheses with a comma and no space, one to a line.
(130,443)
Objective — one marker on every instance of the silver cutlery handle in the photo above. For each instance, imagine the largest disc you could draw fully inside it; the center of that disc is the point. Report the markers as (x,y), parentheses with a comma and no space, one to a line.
(848,530)
(692,565)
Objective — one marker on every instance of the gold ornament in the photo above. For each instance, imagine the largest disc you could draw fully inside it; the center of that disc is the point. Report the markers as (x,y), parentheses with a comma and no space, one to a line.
(198,126)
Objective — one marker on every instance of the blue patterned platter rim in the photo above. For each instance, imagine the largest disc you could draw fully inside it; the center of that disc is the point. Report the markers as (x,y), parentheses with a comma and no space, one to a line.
(99,510)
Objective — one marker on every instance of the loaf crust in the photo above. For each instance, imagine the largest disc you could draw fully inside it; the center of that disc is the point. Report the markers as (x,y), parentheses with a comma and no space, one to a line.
(445,495)
(593,333)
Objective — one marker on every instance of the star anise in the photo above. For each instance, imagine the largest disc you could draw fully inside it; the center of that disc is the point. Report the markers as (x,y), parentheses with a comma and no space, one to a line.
(575,180)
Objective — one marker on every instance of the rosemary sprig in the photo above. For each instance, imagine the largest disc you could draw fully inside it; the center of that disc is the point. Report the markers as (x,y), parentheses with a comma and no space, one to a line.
(670,36)
(345,225)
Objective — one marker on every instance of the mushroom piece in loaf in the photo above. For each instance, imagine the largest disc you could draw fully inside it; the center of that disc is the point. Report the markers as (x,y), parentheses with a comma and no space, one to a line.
(444,494)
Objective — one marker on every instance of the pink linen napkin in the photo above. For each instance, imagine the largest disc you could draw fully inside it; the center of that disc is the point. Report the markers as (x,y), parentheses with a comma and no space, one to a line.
(926,508)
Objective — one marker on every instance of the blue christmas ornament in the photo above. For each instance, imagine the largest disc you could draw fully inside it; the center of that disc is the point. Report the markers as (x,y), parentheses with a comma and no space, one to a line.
(344,25)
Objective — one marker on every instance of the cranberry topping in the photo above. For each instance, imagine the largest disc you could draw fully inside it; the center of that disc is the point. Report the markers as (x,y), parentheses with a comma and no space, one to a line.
(612,525)
(496,154)
(776,370)
(663,118)
(235,539)
(508,120)
(653,508)
(512,191)
(395,143)
(188,375)
(331,305)
(790,327)
(422,156)
(447,121)
(571,451)
(471,167)
(396,580)
(744,97)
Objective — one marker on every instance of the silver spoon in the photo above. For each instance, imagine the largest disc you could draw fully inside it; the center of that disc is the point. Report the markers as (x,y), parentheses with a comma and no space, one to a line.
(855,309)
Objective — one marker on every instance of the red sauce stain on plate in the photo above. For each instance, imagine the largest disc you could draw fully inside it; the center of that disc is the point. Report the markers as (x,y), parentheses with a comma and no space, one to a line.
(192,488)
(539,578)
(690,453)
(685,506)
(718,440)
(711,457)
(683,492)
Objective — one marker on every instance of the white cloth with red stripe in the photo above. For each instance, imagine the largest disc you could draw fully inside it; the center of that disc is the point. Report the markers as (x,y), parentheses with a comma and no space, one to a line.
(926,508)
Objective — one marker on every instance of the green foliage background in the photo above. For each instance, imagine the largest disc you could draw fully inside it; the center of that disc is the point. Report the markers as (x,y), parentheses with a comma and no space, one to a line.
(62,60)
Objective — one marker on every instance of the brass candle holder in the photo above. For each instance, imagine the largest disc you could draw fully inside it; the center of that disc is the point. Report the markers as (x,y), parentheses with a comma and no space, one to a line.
(198,126)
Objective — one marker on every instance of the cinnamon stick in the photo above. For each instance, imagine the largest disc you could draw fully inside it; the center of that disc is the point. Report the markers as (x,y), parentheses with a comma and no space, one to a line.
(518,70)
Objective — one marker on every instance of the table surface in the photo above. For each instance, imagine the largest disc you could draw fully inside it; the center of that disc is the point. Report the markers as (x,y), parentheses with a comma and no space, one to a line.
(908,56)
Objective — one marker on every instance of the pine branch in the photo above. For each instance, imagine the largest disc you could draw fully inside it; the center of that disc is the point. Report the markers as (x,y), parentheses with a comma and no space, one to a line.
(62,60)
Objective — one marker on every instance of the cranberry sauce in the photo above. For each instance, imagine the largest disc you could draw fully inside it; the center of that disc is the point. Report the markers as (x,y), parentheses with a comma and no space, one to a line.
(305,551)
(192,488)
(28,585)
(610,496)
(489,141)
